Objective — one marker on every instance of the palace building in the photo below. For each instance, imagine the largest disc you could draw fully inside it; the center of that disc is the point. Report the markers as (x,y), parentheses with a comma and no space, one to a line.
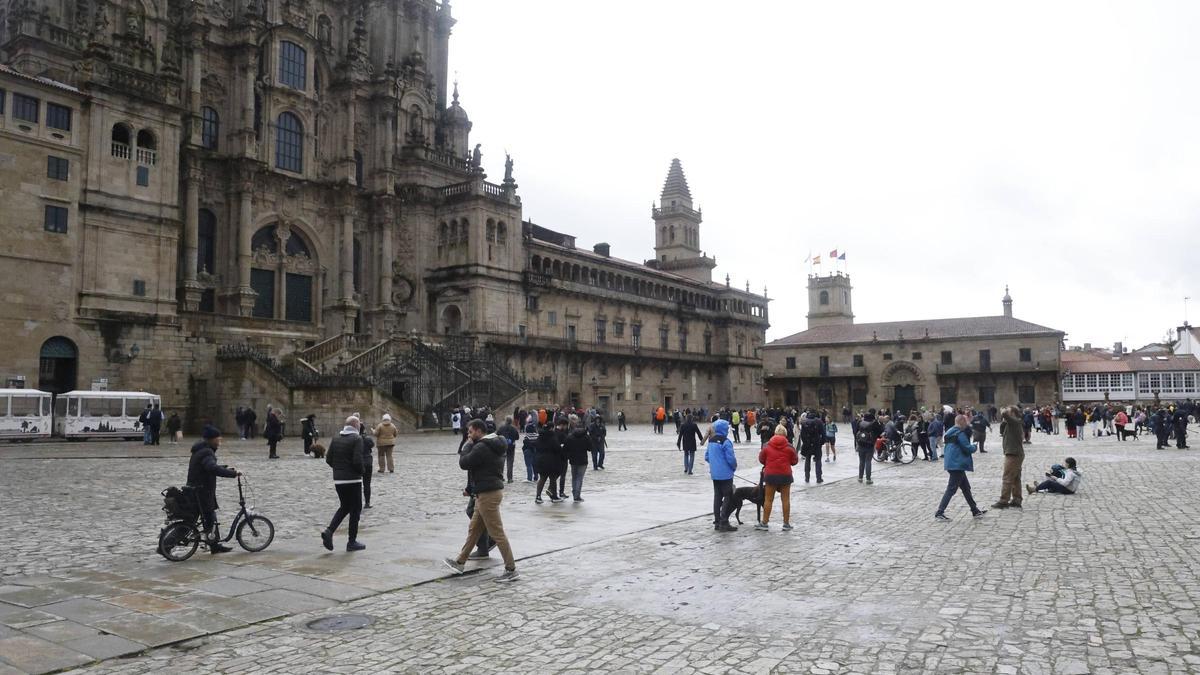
(904,365)
(242,202)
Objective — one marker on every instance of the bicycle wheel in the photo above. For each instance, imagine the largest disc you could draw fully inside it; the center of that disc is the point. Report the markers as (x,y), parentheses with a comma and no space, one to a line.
(882,455)
(178,541)
(908,452)
(255,533)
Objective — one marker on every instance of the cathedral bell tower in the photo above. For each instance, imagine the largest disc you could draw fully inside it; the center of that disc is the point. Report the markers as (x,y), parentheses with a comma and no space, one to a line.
(829,300)
(677,230)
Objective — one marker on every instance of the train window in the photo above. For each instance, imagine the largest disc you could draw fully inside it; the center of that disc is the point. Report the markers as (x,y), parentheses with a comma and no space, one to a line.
(60,406)
(135,406)
(26,406)
(100,407)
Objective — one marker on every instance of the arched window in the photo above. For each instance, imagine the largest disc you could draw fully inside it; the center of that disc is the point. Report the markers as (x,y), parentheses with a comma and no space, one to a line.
(358,266)
(289,143)
(824,297)
(265,240)
(453,232)
(416,129)
(465,232)
(293,65)
(490,231)
(502,233)
(443,234)
(122,138)
(210,128)
(358,168)
(145,139)
(206,248)
(672,233)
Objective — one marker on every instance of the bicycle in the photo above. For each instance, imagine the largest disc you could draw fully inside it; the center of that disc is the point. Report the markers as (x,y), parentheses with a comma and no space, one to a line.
(180,536)
(896,451)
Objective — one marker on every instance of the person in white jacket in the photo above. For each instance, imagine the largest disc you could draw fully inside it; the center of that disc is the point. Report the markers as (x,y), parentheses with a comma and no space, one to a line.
(1066,484)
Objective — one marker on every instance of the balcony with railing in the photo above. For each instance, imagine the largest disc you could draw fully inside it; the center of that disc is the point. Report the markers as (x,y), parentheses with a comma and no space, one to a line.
(146,156)
(120,150)
(816,372)
(996,367)
(613,345)
(674,209)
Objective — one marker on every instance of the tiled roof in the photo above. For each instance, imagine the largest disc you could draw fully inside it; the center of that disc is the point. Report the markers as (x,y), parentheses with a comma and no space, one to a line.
(933,329)
(1077,362)
(4,68)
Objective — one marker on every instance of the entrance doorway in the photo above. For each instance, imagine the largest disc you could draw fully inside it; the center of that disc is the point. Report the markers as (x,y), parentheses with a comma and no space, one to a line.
(604,402)
(667,401)
(905,399)
(58,365)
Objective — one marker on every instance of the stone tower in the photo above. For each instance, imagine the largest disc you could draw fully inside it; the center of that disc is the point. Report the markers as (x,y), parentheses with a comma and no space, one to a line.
(677,230)
(1007,302)
(829,300)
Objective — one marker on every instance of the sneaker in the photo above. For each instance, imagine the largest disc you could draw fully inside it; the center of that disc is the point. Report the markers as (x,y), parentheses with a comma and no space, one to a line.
(356,546)
(941,517)
(870,482)
(1030,488)
(555,500)
(367,506)
(979,513)
(1014,505)
(509,575)
(578,499)
(787,527)
(860,480)
(327,539)
(820,480)
(726,527)
(476,555)
(453,564)
(762,526)
(215,547)
(538,500)
(1000,505)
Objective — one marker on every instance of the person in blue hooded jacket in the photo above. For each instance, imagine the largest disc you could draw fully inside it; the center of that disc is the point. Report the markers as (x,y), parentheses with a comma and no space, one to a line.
(721,465)
(957,460)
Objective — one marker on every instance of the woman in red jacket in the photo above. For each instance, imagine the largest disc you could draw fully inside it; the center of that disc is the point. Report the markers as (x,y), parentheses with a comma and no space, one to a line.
(777,458)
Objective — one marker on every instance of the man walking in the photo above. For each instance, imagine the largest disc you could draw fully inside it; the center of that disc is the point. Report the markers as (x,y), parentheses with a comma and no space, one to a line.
(203,471)
(509,433)
(1013,440)
(689,433)
(621,421)
(484,464)
(346,457)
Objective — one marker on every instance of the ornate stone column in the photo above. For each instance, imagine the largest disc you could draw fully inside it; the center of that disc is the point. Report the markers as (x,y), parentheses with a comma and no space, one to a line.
(346,306)
(192,291)
(245,294)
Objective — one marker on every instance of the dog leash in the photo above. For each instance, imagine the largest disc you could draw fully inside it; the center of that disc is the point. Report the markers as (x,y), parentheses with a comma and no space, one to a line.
(752,482)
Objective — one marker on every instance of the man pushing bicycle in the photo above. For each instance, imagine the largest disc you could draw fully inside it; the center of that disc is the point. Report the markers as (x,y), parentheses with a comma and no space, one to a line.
(202,478)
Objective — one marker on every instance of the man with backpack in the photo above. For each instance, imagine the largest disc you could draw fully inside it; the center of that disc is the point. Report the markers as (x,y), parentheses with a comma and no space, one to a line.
(869,430)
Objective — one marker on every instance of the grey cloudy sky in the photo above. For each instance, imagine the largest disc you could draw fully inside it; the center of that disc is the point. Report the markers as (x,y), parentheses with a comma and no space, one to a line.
(949,147)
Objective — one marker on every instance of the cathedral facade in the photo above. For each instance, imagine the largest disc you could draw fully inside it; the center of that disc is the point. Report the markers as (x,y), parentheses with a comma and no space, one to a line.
(296,177)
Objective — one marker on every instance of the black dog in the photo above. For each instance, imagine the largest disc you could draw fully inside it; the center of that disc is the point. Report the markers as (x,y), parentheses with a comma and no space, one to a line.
(1127,432)
(754,495)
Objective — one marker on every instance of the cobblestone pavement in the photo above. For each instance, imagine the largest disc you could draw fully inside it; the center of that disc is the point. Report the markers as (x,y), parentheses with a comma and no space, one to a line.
(1103,581)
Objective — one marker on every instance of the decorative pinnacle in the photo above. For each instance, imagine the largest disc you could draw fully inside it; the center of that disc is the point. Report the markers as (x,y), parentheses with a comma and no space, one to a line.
(455,99)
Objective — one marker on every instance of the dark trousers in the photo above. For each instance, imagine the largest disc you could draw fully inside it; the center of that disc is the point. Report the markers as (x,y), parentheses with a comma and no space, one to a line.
(621,425)
(1163,439)
(577,473)
(923,441)
(722,500)
(809,460)
(530,471)
(542,483)
(349,504)
(1180,438)
(366,486)
(308,441)
(271,443)
(154,430)
(209,519)
(737,437)
(958,481)
(508,461)
(562,480)
(689,460)
(864,462)
(1053,486)
(596,459)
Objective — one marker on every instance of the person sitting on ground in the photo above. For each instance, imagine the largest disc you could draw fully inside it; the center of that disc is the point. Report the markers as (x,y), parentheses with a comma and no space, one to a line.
(1059,479)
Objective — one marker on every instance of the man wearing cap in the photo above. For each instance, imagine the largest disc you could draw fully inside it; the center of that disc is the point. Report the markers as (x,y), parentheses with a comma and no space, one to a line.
(202,477)
(345,457)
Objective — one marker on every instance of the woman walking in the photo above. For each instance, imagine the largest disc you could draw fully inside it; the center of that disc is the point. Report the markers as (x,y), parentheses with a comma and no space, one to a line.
(308,432)
(273,432)
(385,440)
(548,459)
(577,447)
(777,458)
(958,462)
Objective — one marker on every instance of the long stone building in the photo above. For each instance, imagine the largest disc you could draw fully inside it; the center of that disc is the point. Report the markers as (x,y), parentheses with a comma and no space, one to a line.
(903,365)
(248,202)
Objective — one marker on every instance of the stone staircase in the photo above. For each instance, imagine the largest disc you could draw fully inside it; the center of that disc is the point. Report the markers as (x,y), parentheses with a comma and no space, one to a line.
(430,376)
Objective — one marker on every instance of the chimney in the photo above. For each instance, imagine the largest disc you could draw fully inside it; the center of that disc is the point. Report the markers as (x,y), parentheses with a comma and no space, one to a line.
(1087,346)
(1118,349)
(601,249)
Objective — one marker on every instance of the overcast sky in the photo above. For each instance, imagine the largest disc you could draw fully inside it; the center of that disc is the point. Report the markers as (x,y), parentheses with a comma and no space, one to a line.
(948,147)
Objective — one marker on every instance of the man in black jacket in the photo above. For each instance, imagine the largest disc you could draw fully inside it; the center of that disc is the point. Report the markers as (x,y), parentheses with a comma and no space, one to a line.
(510,434)
(202,477)
(345,457)
(484,464)
(689,433)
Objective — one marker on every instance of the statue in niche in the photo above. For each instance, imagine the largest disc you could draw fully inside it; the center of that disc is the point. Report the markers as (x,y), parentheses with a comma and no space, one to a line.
(133,26)
(477,156)
(508,168)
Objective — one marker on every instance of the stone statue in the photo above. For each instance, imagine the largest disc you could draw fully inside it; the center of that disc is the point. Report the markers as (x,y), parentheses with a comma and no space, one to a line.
(100,23)
(132,26)
(508,168)
(477,156)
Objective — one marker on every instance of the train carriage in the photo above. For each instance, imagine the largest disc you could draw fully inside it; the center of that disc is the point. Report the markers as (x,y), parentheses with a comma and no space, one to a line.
(101,414)
(25,414)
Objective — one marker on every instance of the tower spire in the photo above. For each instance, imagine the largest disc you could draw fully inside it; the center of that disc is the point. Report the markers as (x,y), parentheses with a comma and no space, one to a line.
(676,184)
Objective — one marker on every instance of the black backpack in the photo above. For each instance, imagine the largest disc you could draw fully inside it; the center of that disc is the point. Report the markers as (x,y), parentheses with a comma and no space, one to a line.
(865,437)
(180,503)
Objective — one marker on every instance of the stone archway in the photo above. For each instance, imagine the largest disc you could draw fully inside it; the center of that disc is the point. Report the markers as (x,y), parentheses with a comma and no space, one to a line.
(902,386)
(451,320)
(58,365)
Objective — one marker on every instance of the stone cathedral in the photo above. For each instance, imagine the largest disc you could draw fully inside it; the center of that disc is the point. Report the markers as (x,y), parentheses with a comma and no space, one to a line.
(249,202)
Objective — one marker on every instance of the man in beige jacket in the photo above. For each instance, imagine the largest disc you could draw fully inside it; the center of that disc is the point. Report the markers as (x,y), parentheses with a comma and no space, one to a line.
(385,440)
(1012,433)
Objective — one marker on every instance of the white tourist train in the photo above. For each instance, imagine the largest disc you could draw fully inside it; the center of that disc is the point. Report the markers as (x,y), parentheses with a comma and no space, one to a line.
(25,414)
(100,414)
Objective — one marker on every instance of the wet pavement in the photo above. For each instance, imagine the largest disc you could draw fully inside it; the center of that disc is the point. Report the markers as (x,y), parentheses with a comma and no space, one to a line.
(634,579)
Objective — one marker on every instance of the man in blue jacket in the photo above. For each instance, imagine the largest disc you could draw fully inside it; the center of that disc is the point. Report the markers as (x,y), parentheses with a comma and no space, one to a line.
(721,465)
(958,461)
